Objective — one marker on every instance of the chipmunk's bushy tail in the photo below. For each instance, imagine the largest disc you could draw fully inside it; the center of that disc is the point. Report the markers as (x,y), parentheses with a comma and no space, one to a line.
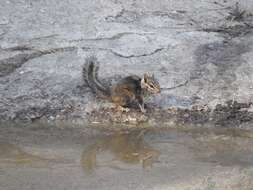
(90,76)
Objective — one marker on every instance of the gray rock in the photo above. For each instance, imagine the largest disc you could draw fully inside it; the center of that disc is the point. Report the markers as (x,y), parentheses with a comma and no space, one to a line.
(205,46)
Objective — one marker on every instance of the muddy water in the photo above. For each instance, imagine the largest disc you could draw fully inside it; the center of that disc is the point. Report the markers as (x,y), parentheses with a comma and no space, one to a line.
(50,157)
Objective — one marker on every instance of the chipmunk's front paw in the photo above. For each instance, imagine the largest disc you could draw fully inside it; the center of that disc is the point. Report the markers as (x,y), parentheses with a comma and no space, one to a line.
(142,108)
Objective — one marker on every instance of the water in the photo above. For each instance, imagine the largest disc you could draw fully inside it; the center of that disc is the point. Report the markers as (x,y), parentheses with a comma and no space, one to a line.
(50,157)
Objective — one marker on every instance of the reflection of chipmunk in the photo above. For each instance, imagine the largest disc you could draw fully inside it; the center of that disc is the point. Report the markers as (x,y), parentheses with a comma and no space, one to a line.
(128,148)
(128,90)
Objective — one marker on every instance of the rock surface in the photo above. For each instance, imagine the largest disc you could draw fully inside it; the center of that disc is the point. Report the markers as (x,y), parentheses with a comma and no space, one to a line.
(207,46)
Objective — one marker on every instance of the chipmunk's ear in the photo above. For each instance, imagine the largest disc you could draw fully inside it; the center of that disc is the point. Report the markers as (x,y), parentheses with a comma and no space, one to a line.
(148,75)
(145,77)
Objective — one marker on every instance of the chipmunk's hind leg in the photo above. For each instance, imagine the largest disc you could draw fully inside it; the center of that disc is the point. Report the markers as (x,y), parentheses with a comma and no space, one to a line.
(121,103)
(122,109)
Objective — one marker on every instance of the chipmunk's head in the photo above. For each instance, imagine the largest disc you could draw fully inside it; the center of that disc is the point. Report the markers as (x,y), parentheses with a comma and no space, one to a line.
(149,83)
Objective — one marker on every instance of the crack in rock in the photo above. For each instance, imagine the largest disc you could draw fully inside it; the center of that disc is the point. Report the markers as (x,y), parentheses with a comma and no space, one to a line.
(17,48)
(141,55)
(231,31)
(10,64)
(124,16)
(113,37)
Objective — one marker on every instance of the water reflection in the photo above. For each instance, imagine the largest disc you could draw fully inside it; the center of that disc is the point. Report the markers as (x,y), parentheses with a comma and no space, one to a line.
(128,148)
(227,148)
(11,156)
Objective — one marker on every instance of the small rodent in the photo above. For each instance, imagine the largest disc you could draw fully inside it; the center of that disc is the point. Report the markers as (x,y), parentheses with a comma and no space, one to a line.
(127,91)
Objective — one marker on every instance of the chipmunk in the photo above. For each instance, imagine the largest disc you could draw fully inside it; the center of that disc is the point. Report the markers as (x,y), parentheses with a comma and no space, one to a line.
(128,90)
